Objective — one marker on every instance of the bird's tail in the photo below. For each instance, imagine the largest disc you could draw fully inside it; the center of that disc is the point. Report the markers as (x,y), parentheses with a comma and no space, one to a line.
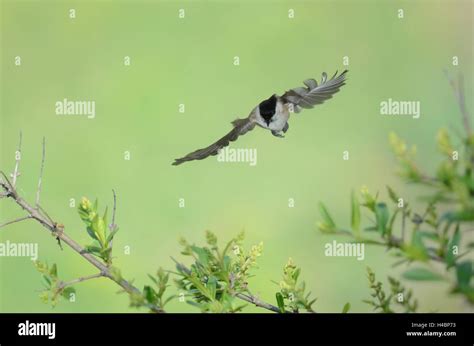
(240,127)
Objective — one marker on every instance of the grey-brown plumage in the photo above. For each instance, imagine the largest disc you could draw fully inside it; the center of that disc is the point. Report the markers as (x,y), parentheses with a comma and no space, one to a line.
(314,94)
(241,127)
(273,113)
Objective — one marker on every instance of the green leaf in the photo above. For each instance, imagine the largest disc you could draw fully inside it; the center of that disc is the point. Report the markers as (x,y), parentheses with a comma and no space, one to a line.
(444,142)
(465,215)
(149,294)
(212,287)
(44,297)
(84,215)
(199,285)
(310,303)
(381,217)
(105,254)
(47,280)
(202,255)
(369,200)
(464,274)
(346,308)
(211,238)
(152,278)
(454,242)
(41,267)
(105,215)
(95,250)
(112,234)
(393,196)
(355,214)
(67,291)
(328,221)
(53,272)
(98,226)
(91,233)
(198,305)
(280,302)
(296,274)
(421,274)
(367,241)
(417,249)
(170,298)
(392,221)
(429,235)
(227,261)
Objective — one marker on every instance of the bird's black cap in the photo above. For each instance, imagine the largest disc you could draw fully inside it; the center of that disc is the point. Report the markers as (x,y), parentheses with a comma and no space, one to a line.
(267,108)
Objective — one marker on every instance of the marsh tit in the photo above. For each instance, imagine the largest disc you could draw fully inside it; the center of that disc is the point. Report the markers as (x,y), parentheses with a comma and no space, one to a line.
(273,113)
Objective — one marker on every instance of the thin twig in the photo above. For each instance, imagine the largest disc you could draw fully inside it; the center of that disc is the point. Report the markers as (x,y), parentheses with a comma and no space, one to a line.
(64,284)
(398,243)
(392,242)
(257,302)
(458,90)
(16,173)
(40,209)
(112,226)
(404,216)
(38,192)
(3,184)
(6,184)
(462,106)
(14,221)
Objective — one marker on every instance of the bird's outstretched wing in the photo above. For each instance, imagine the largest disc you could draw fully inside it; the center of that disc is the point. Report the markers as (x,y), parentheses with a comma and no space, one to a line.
(314,94)
(241,127)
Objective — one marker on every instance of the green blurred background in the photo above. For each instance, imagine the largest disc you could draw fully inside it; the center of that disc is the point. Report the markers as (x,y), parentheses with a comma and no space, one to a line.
(190,61)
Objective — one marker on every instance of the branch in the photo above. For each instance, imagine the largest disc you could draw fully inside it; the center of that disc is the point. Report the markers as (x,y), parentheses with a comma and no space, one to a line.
(6,185)
(398,243)
(391,242)
(16,173)
(64,284)
(113,225)
(404,216)
(38,192)
(458,90)
(257,302)
(57,230)
(247,297)
(14,221)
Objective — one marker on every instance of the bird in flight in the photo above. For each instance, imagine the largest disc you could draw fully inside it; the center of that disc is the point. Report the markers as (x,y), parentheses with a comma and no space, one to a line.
(273,113)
